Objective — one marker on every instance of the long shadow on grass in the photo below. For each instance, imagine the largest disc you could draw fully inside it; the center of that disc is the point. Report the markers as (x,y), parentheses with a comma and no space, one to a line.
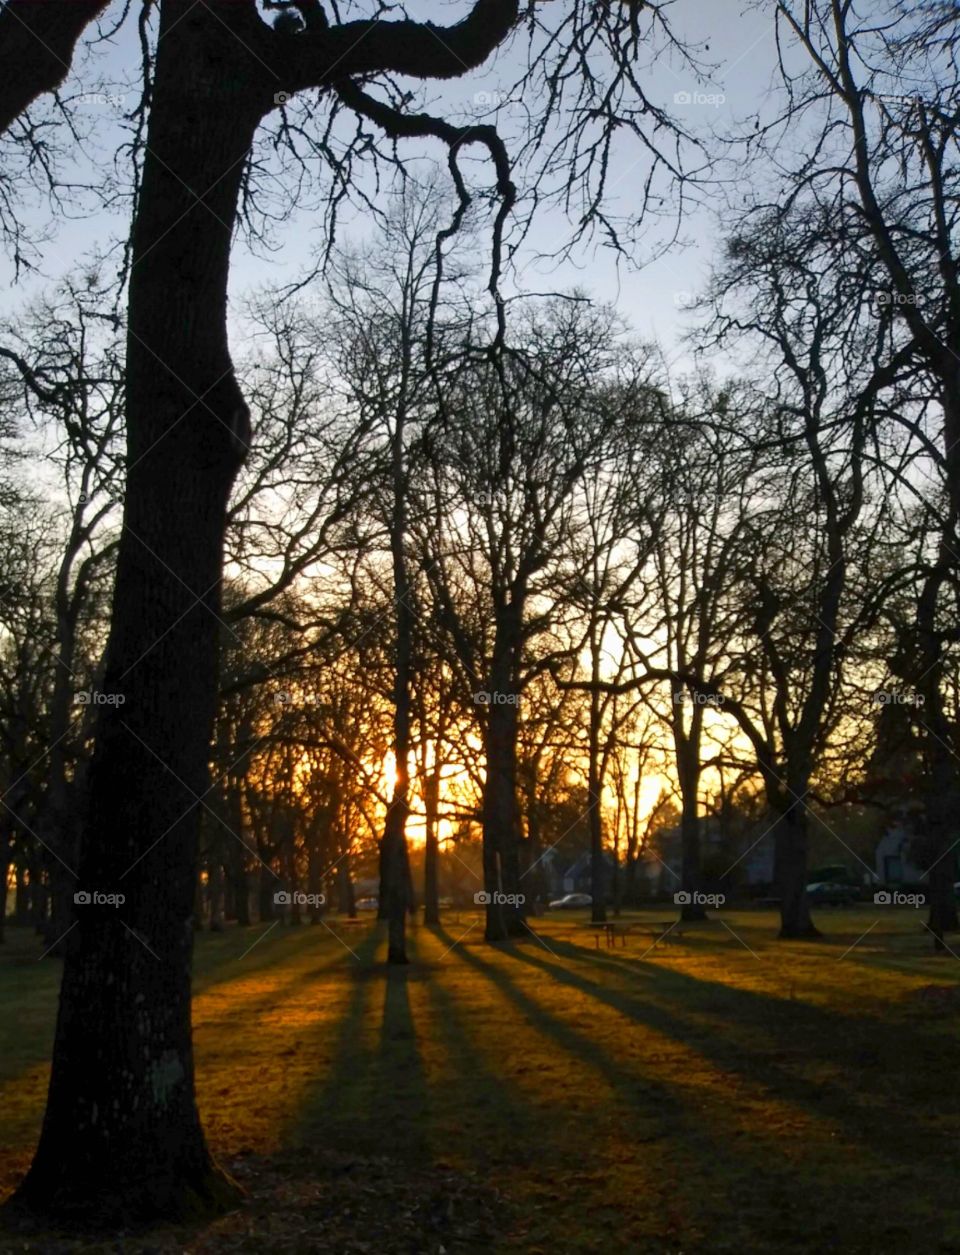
(652,1105)
(374,1099)
(747,1023)
(499,1125)
(708,1142)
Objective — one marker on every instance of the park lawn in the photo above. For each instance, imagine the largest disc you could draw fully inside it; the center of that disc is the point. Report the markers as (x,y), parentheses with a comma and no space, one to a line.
(719,1091)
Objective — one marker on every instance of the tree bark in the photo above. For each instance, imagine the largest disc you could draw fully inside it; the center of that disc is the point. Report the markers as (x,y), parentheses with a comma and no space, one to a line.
(501,819)
(121,1139)
(790,857)
(688,773)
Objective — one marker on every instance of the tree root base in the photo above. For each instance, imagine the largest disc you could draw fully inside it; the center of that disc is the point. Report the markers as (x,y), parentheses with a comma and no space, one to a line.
(109,1203)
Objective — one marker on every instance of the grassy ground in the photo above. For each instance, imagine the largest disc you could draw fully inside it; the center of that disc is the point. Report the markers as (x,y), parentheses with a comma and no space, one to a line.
(721,1092)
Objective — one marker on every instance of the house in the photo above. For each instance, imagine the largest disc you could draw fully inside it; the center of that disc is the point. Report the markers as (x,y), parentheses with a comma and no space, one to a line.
(897,859)
(577,877)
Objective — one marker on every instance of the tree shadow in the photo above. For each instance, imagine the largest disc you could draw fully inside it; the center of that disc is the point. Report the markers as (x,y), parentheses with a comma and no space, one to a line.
(750,1033)
(376,1076)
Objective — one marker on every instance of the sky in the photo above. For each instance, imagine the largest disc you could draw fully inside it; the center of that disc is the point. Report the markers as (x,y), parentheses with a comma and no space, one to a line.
(736,36)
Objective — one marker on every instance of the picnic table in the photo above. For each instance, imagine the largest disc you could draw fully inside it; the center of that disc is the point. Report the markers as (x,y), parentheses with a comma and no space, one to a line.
(614,930)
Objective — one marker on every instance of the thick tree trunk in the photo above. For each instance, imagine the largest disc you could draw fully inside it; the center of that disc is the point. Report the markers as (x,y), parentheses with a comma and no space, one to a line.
(121,1138)
(61,834)
(690,877)
(939,847)
(943,784)
(687,749)
(395,895)
(501,822)
(790,853)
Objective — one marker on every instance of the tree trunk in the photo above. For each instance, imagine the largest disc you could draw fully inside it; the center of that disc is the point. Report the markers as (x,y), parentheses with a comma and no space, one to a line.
(121,1139)
(395,863)
(431,848)
(598,885)
(501,864)
(687,750)
(690,878)
(940,762)
(790,854)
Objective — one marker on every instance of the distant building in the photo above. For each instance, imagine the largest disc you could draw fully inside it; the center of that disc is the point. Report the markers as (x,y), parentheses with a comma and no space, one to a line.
(897,861)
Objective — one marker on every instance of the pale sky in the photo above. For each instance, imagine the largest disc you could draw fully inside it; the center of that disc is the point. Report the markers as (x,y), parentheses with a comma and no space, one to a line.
(735,34)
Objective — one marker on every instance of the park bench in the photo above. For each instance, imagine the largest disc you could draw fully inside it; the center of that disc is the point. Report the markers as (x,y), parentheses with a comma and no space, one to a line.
(613,931)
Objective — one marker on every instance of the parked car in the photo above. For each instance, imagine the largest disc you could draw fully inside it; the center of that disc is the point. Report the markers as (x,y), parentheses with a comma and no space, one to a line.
(366,904)
(571,900)
(832,893)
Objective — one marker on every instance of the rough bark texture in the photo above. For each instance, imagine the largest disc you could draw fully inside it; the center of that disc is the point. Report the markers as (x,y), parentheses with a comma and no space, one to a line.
(121,1138)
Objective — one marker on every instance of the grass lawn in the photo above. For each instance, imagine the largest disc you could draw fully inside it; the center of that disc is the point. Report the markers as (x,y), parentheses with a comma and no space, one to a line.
(720,1092)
